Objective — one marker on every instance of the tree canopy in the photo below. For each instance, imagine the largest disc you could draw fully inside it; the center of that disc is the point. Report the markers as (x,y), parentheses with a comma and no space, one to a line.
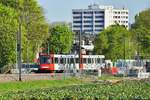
(141,32)
(34,29)
(115,43)
(60,40)
(8,29)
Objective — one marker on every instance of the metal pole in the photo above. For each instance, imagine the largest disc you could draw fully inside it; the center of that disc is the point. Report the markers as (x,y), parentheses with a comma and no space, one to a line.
(19,49)
(80,52)
(124,50)
(48,48)
(138,51)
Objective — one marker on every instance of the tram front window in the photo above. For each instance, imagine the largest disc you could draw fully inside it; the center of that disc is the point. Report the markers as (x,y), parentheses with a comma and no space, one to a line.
(45,60)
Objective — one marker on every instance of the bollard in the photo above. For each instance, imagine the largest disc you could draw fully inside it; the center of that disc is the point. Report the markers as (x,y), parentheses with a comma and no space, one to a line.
(99,73)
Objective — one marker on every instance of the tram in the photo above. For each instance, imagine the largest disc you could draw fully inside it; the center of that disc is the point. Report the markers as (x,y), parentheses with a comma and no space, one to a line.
(61,62)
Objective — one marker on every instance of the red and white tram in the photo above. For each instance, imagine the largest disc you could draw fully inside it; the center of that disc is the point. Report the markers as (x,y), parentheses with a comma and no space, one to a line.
(61,62)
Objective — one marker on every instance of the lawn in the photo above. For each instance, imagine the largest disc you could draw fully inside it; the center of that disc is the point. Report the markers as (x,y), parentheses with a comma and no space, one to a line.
(76,89)
(37,84)
(109,77)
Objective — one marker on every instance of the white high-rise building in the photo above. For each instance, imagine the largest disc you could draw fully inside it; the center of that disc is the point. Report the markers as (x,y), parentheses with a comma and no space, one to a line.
(97,18)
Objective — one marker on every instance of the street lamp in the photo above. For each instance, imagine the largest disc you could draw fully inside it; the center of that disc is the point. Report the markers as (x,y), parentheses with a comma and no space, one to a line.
(80,51)
(124,50)
(138,50)
(48,50)
(19,63)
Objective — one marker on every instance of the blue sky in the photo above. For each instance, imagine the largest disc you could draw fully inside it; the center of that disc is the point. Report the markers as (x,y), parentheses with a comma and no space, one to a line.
(61,10)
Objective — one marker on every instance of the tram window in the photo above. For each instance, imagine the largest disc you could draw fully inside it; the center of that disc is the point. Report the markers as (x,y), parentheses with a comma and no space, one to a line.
(92,60)
(77,60)
(71,60)
(62,60)
(89,60)
(103,60)
(56,60)
(98,60)
(44,59)
(49,61)
(95,60)
(84,60)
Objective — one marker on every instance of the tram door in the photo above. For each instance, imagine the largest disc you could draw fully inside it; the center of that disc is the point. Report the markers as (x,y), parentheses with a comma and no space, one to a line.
(89,63)
(62,63)
(71,63)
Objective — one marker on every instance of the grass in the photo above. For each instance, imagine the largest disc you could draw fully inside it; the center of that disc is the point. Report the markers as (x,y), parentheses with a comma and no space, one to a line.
(109,77)
(75,89)
(125,90)
(37,84)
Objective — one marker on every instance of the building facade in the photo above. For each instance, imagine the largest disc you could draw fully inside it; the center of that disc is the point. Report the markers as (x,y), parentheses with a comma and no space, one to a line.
(96,18)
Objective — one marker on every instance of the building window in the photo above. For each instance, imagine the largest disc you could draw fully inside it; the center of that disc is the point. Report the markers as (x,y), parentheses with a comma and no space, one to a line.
(77,12)
(99,25)
(99,16)
(88,25)
(88,21)
(99,12)
(87,30)
(115,17)
(99,21)
(88,12)
(98,30)
(77,17)
(77,26)
(117,22)
(88,16)
(77,21)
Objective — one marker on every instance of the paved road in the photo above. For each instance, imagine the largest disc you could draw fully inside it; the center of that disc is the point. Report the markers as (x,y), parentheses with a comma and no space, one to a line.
(41,76)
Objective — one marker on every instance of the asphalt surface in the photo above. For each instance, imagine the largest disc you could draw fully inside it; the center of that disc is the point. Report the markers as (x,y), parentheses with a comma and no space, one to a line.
(41,76)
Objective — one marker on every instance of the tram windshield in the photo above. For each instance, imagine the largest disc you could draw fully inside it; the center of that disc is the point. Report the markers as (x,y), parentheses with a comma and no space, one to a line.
(45,60)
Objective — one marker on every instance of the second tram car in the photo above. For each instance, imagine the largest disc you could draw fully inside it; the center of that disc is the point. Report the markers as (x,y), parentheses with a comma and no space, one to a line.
(60,62)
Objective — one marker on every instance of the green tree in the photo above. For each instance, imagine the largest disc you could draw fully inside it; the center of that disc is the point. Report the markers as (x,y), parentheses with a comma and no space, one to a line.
(60,40)
(8,30)
(141,32)
(115,43)
(35,26)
